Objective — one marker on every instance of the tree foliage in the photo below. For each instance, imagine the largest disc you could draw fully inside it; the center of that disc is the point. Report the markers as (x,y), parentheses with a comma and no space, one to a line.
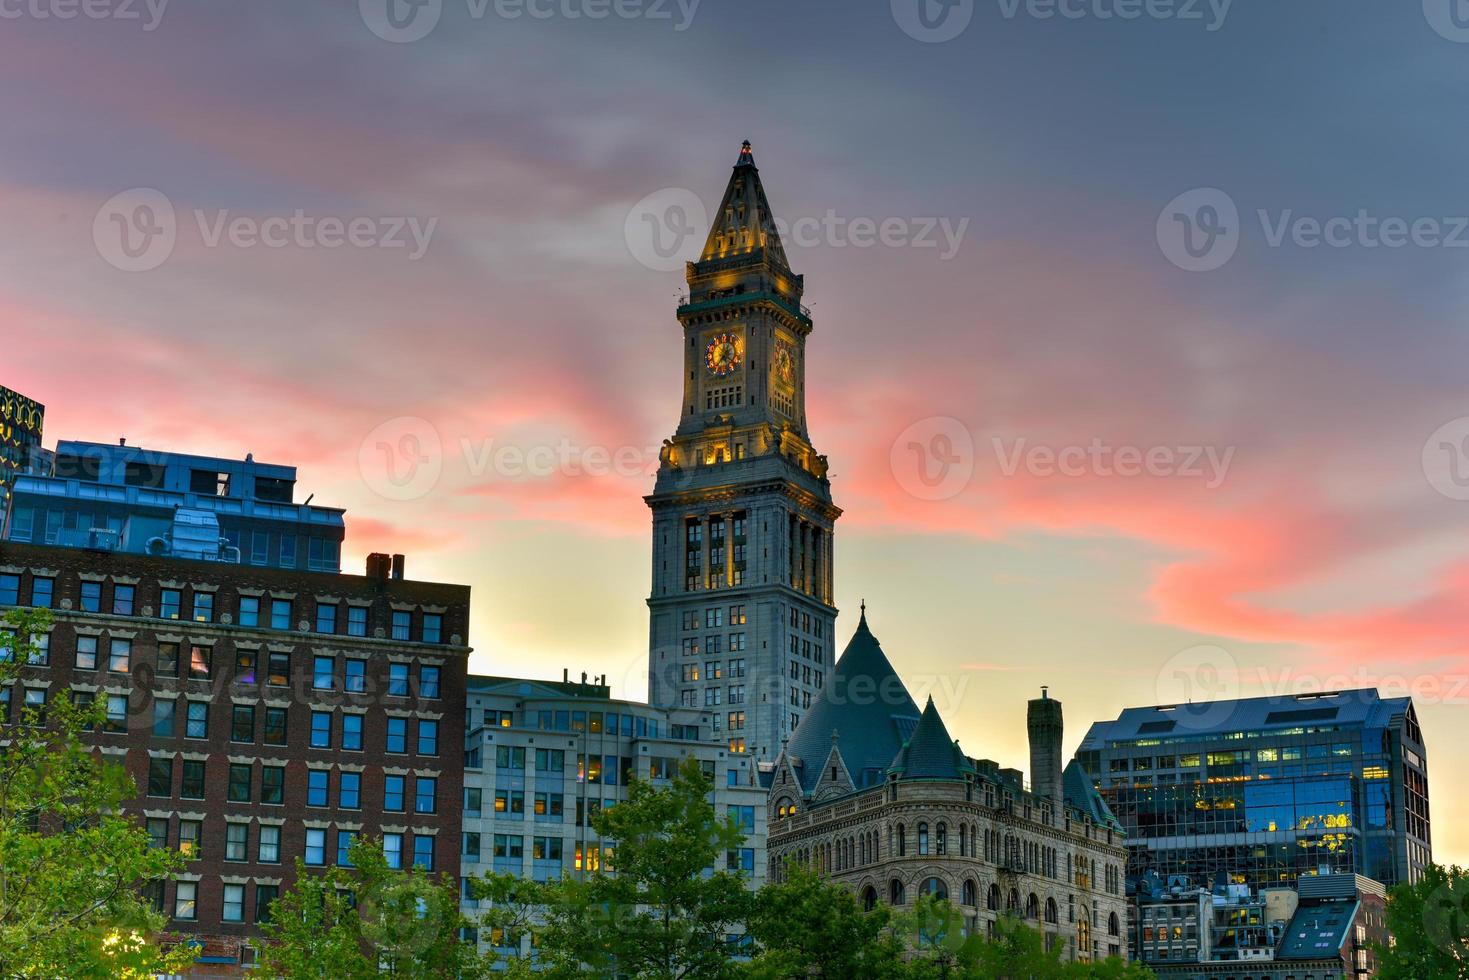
(659,901)
(802,926)
(1429,923)
(72,866)
(367,920)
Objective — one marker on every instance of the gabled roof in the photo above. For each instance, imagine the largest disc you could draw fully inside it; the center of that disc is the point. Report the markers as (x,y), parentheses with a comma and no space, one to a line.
(744,221)
(929,753)
(867,706)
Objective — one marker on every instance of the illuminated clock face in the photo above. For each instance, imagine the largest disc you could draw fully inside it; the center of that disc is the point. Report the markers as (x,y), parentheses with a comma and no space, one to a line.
(785,362)
(722,355)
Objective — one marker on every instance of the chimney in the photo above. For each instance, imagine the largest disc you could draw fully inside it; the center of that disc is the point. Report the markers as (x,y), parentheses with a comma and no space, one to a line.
(377,566)
(1043,720)
(398,566)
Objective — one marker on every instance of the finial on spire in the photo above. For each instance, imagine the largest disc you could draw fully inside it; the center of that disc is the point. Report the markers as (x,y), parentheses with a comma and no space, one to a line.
(862,620)
(747,158)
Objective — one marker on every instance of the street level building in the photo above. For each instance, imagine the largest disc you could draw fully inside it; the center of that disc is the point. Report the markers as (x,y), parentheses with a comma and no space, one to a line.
(875,794)
(543,757)
(1322,929)
(267,714)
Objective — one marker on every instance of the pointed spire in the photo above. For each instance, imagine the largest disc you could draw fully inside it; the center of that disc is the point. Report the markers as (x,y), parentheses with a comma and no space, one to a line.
(744,223)
(929,753)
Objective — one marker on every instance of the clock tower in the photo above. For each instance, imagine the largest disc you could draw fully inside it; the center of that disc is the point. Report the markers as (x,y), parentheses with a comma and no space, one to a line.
(741,613)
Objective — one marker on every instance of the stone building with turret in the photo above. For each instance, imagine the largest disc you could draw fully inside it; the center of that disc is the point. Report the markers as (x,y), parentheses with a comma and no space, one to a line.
(875,794)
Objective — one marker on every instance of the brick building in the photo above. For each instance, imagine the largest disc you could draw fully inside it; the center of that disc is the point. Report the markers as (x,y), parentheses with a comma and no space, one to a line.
(266,713)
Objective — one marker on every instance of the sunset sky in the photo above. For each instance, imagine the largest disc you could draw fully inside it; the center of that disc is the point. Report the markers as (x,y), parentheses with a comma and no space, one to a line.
(1326,548)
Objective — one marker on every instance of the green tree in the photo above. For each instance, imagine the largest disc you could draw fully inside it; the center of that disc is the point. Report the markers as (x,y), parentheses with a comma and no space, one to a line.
(1429,923)
(661,903)
(368,920)
(72,866)
(515,908)
(803,926)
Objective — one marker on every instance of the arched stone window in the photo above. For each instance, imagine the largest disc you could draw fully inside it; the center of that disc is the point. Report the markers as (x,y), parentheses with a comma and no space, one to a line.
(1083,935)
(1052,916)
(971,890)
(992,900)
(922,838)
(941,838)
(895,892)
(1032,906)
(869,898)
(902,841)
(1012,903)
(936,888)
(963,840)
(1113,927)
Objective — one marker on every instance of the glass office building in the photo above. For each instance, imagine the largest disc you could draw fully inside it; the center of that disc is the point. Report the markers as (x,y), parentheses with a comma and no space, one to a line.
(1268,789)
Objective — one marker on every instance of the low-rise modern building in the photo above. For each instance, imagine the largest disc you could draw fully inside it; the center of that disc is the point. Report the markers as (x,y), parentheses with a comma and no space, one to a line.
(543,757)
(138,501)
(875,794)
(267,713)
(1320,930)
(1268,789)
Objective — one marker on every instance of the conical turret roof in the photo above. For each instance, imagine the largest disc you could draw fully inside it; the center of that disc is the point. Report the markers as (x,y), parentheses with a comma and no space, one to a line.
(867,707)
(744,221)
(929,752)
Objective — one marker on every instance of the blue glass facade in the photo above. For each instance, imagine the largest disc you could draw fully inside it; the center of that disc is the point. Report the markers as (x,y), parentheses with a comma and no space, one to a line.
(1268,790)
(124,498)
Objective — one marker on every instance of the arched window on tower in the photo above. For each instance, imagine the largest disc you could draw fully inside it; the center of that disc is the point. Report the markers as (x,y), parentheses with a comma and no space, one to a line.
(902,841)
(895,892)
(922,839)
(941,838)
(971,891)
